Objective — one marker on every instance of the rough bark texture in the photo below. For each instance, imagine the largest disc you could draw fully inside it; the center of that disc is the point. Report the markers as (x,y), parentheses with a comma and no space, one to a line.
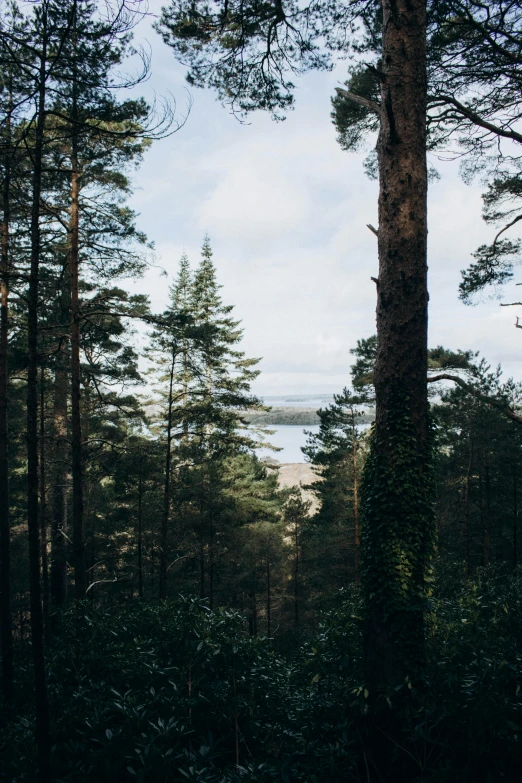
(37,629)
(6,620)
(402,307)
(396,539)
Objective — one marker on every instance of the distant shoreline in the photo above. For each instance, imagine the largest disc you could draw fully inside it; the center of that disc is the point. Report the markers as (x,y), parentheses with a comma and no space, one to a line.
(304,417)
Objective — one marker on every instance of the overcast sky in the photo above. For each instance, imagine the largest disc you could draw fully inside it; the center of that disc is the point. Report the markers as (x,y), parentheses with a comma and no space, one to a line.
(286,210)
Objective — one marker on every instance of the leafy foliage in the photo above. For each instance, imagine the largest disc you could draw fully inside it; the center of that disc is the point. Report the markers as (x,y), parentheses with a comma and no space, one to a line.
(156,691)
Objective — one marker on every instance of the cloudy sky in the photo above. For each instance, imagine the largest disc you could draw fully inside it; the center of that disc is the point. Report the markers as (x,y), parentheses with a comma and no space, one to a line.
(286,211)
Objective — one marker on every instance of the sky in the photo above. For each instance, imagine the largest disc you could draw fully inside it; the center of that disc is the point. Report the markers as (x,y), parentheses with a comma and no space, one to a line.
(286,211)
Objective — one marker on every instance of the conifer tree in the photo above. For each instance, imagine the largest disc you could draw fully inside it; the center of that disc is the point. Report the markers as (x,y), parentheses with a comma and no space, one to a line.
(337,452)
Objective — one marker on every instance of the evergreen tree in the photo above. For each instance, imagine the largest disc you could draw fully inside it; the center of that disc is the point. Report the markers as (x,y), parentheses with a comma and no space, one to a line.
(337,453)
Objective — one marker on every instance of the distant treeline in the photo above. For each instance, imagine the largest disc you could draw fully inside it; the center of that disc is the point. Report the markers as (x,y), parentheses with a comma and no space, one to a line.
(301,416)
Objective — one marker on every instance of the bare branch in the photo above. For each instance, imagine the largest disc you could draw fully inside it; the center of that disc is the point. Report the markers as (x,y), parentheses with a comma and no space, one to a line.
(359,100)
(477,119)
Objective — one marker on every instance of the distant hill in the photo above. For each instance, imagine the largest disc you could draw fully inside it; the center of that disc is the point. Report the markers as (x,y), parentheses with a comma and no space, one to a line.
(303,417)
(283,415)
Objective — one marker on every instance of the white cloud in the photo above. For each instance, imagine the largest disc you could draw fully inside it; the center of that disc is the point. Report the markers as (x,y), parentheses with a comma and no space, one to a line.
(287,212)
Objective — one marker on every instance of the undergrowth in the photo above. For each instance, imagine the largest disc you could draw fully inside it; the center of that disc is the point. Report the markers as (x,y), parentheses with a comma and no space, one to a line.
(176,692)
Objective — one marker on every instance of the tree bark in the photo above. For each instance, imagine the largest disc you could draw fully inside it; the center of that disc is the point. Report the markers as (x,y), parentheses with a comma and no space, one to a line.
(37,630)
(398,516)
(6,627)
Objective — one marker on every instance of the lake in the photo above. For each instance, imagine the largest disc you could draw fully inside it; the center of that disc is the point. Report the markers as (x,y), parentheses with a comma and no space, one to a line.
(289,438)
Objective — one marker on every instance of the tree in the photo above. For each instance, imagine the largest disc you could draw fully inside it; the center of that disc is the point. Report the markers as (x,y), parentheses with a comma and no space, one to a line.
(478,473)
(205,381)
(92,117)
(11,158)
(473,113)
(245,51)
(337,453)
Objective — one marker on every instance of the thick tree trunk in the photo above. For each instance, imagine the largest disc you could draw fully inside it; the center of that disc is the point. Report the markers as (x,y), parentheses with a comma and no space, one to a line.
(6,620)
(398,514)
(37,629)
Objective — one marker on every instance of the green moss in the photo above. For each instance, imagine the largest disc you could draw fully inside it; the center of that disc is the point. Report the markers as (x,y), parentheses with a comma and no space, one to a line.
(398,532)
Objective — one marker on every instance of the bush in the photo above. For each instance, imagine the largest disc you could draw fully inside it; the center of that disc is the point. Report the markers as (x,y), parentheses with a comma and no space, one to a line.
(173,691)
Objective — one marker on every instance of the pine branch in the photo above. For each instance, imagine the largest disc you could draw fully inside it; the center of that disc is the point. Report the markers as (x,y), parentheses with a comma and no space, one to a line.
(494,402)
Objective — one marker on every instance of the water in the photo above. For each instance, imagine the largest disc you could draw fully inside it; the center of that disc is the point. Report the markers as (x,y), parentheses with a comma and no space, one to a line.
(290,438)
(298,400)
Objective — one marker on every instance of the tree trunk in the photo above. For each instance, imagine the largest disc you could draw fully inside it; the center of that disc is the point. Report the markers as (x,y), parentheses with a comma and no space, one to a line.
(43,501)
(466,512)
(201,568)
(268,600)
(211,553)
(140,526)
(398,530)
(515,517)
(355,505)
(296,579)
(487,530)
(166,488)
(59,489)
(37,637)
(80,579)
(6,621)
